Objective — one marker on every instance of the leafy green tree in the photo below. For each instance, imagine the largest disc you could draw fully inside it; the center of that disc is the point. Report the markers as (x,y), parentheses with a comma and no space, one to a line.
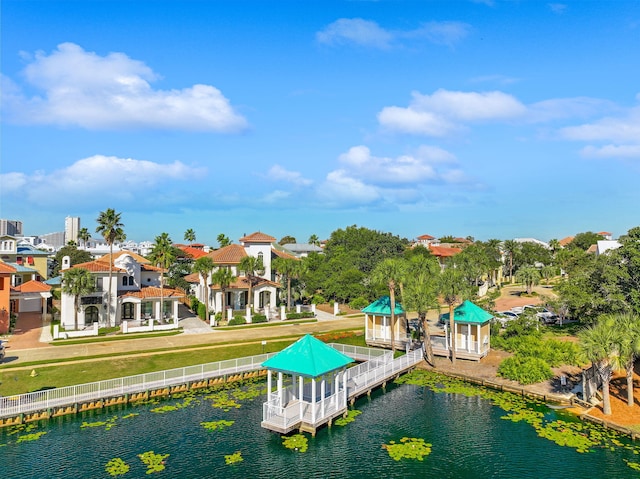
(584,240)
(76,256)
(530,254)
(548,272)
(599,344)
(529,276)
(223,240)
(629,260)
(190,235)
(204,266)
(287,240)
(84,236)
(389,271)
(162,255)
(111,228)
(223,277)
(252,268)
(78,282)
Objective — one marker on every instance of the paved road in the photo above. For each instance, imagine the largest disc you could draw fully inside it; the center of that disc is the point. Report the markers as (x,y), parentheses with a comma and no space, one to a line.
(15,356)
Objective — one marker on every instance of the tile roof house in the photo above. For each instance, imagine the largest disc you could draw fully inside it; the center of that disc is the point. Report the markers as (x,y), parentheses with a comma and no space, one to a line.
(5,296)
(135,293)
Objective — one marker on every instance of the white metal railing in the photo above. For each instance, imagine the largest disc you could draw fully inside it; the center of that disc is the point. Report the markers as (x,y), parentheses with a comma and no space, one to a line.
(360,381)
(359,353)
(50,398)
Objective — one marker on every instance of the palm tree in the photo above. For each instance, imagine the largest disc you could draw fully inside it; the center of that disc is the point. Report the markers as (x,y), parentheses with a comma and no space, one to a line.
(529,276)
(163,256)
(628,341)
(251,266)
(389,272)
(314,240)
(223,240)
(84,236)
(78,282)
(510,247)
(111,229)
(286,267)
(223,277)
(599,344)
(453,287)
(204,266)
(190,235)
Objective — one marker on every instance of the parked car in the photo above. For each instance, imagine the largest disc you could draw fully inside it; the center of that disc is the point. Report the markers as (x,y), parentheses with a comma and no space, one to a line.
(542,313)
(503,317)
(1,351)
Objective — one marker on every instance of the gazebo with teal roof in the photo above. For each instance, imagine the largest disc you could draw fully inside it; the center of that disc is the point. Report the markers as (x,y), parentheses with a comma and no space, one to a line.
(472,331)
(318,389)
(378,323)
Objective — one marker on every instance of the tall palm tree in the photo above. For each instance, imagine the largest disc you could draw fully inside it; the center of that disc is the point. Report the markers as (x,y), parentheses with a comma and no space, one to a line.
(111,229)
(389,272)
(223,277)
(223,240)
(314,240)
(163,255)
(453,288)
(252,267)
(204,266)
(628,341)
(599,344)
(510,247)
(190,235)
(286,267)
(529,276)
(84,236)
(78,282)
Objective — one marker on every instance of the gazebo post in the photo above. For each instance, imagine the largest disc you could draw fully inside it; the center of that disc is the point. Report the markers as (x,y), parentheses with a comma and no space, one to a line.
(344,387)
(323,389)
(313,400)
(336,384)
(280,395)
(269,385)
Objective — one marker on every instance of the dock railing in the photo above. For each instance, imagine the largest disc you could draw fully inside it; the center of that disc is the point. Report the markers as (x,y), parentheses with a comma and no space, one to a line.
(50,398)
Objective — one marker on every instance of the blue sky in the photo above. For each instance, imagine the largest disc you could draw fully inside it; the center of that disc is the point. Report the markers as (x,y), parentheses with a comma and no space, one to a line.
(494,119)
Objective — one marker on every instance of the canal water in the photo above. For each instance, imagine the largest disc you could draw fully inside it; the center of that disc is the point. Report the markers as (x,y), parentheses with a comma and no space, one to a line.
(468,436)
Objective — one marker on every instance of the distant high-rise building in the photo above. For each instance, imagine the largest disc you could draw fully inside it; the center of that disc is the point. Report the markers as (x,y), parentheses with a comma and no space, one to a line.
(71,229)
(10,227)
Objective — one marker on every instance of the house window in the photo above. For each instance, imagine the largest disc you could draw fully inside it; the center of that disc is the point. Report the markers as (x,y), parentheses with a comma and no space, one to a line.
(91,315)
(131,281)
(124,281)
(261,256)
(128,311)
(30,259)
(19,259)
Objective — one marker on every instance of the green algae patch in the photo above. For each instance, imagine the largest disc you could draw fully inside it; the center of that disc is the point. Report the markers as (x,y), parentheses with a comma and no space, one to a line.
(116,467)
(108,424)
(408,448)
(234,458)
(30,437)
(216,425)
(154,462)
(296,442)
(351,416)
(633,465)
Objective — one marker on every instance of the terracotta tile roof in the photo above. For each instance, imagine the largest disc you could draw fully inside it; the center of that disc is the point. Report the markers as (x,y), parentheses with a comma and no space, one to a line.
(192,278)
(463,240)
(150,267)
(97,266)
(604,233)
(443,251)
(257,237)
(137,257)
(192,251)
(5,268)
(33,286)
(592,249)
(282,254)
(426,237)
(231,254)
(152,292)
(566,241)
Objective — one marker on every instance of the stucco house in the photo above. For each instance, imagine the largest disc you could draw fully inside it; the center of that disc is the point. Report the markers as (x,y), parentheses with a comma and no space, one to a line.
(30,263)
(5,293)
(135,293)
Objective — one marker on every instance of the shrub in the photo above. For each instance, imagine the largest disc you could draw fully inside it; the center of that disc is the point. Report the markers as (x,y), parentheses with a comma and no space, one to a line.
(305,314)
(318,299)
(359,303)
(258,318)
(194,305)
(525,370)
(237,321)
(202,311)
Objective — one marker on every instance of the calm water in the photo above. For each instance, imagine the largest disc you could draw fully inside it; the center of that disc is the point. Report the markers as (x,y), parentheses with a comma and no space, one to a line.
(469,441)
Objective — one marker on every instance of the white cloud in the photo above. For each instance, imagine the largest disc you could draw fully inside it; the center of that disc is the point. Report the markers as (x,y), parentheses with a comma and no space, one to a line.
(85,89)
(93,180)
(437,114)
(340,189)
(278,173)
(619,130)
(562,108)
(612,151)
(355,30)
(368,33)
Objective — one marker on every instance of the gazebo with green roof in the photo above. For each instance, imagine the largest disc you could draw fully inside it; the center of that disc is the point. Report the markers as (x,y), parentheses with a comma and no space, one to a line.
(303,405)
(378,323)
(472,331)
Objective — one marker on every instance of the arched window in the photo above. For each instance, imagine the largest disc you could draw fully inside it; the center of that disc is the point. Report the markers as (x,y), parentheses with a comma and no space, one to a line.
(128,311)
(91,315)
(131,281)
(124,281)
(261,257)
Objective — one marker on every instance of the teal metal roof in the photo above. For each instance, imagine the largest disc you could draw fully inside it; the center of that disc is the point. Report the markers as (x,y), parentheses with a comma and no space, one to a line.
(57,281)
(382,307)
(22,269)
(308,357)
(468,312)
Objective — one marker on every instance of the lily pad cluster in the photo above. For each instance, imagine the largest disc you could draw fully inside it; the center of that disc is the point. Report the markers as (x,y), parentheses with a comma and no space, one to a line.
(233,458)
(153,461)
(408,448)
(116,467)
(296,442)
(351,416)
(108,424)
(216,425)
